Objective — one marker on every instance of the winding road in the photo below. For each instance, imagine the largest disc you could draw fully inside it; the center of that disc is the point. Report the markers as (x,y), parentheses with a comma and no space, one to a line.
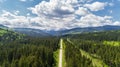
(60,54)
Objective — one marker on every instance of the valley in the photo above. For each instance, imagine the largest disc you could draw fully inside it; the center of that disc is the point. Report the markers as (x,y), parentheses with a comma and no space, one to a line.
(94,49)
(59,33)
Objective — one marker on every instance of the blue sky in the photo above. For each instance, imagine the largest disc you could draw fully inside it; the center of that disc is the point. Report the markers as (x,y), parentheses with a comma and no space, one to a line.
(59,14)
(15,5)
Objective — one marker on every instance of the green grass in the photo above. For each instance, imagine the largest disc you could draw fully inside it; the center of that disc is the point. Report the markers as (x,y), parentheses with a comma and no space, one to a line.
(95,61)
(112,43)
(56,57)
(63,58)
(2,32)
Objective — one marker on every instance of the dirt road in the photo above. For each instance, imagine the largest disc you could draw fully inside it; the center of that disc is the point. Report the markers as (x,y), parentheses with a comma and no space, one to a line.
(60,54)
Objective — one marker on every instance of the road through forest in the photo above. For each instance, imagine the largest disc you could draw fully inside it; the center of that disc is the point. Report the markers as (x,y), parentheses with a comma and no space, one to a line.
(60,54)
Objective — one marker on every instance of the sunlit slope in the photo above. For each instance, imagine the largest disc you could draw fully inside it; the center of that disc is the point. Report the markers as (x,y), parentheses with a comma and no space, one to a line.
(101,48)
(7,36)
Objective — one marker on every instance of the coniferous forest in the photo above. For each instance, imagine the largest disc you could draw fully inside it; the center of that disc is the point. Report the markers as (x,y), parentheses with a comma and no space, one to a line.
(98,49)
(17,50)
(59,33)
(34,52)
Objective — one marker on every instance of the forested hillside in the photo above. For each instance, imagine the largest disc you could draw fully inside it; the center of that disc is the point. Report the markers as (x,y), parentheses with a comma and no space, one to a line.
(99,36)
(18,50)
(9,36)
(100,49)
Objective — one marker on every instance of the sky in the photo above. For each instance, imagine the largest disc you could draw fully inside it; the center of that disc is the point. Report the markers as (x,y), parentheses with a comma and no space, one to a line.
(59,14)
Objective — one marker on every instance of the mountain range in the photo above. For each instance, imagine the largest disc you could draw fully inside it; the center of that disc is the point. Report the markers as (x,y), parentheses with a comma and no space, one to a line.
(43,33)
(2,26)
(90,29)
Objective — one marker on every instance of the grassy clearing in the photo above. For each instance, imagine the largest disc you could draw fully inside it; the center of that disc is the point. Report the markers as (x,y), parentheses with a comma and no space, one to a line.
(95,61)
(112,43)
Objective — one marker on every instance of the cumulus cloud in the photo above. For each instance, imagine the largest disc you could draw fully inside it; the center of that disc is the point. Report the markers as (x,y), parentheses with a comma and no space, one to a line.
(91,20)
(13,20)
(54,8)
(116,23)
(82,11)
(96,6)
(59,14)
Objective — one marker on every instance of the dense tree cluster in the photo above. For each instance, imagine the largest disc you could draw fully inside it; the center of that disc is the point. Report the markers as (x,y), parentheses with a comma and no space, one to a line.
(93,44)
(81,50)
(74,58)
(97,36)
(30,52)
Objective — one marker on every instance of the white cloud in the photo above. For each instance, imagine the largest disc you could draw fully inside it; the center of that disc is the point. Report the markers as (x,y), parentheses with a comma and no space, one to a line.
(83,1)
(16,12)
(96,6)
(23,0)
(116,23)
(92,20)
(54,8)
(59,14)
(28,14)
(82,11)
(13,20)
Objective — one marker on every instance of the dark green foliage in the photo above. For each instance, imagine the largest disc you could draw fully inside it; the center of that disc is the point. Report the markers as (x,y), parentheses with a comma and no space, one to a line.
(17,50)
(109,54)
(30,52)
(74,58)
(97,36)
(93,44)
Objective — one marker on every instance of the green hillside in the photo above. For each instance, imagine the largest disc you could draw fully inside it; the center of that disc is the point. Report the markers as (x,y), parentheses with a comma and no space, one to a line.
(18,50)
(2,32)
(9,36)
(99,49)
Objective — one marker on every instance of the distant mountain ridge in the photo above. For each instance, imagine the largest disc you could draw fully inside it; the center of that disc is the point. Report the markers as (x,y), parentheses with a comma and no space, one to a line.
(90,29)
(3,27)
(32,32)
(44,33)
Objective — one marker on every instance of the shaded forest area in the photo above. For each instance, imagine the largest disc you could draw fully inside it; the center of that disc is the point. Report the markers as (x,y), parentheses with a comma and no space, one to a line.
(30,52)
